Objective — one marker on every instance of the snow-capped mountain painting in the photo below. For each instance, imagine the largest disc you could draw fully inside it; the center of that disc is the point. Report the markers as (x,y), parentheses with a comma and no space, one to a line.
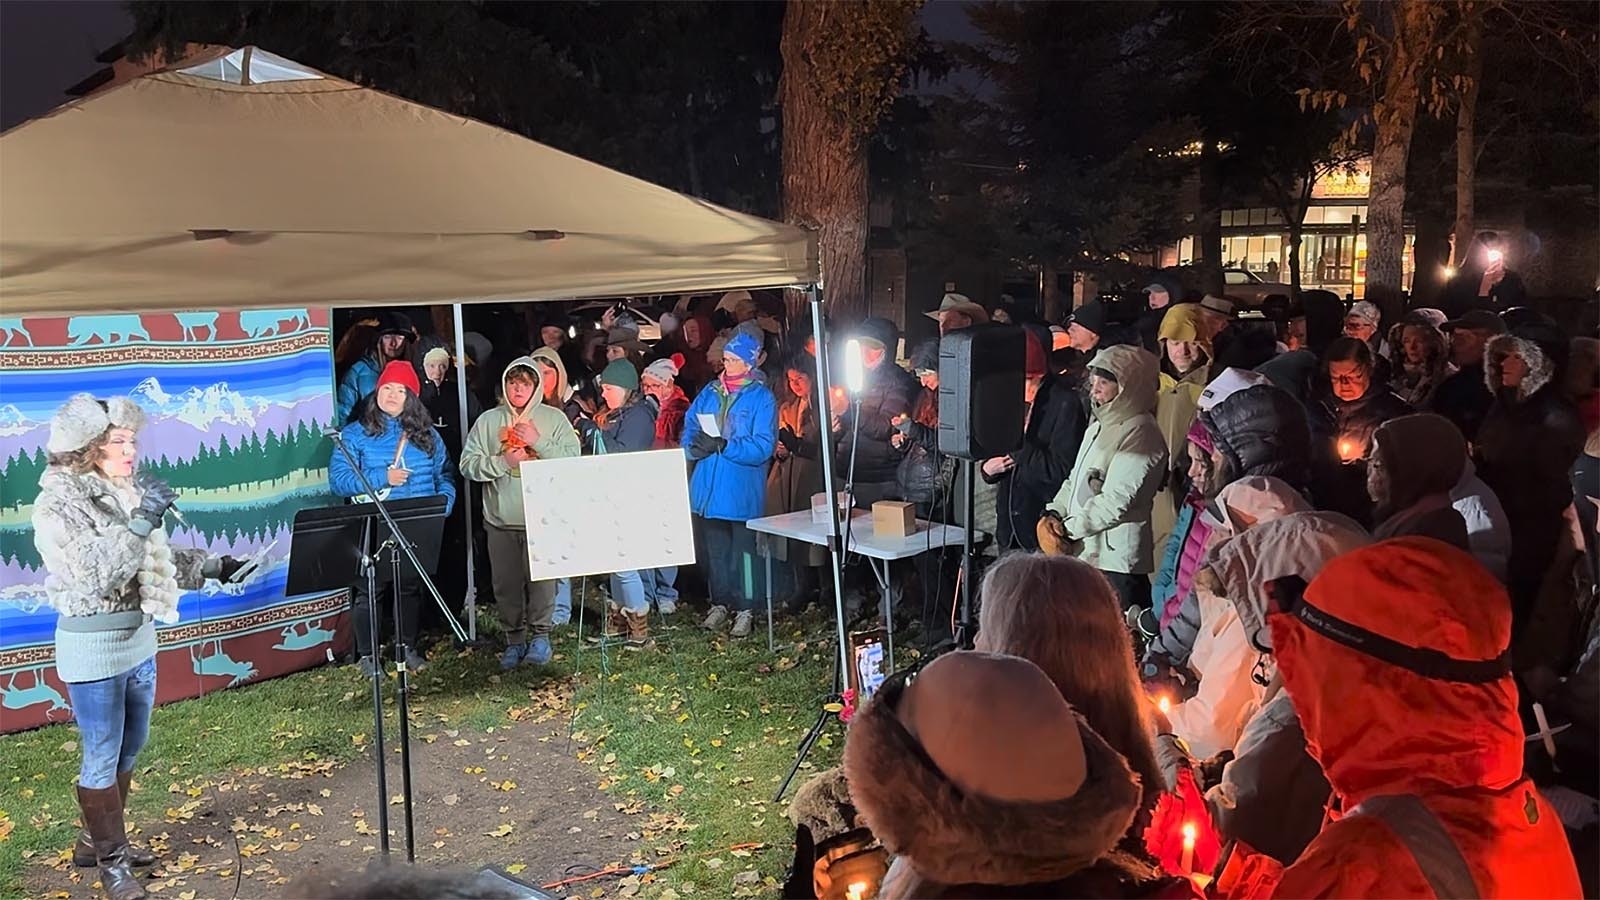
(234,423)
(184,414)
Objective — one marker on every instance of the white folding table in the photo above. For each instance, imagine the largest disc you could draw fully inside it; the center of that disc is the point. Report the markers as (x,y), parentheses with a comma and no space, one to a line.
(860,539)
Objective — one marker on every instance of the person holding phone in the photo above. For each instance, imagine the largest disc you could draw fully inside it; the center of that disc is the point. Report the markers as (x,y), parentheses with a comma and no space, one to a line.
(397,448)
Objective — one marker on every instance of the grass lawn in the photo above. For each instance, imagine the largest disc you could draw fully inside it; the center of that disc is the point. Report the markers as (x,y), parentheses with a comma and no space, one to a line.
(701,730)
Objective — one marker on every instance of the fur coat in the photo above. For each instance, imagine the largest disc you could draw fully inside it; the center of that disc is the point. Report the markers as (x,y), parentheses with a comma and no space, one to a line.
(93,563)
(953,844)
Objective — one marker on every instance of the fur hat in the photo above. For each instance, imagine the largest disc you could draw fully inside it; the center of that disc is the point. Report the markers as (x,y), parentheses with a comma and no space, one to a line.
(82,419)
(979,772)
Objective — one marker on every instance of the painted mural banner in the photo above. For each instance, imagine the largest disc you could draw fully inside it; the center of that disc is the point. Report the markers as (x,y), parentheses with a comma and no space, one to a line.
(236,404)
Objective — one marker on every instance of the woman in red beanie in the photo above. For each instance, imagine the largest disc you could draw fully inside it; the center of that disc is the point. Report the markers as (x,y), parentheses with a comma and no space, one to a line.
(403,457)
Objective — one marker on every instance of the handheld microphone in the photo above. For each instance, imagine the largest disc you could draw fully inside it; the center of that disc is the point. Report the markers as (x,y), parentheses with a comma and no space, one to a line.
(176,514)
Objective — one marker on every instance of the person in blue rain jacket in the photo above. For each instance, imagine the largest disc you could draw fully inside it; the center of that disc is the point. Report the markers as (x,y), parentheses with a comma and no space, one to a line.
(729,483)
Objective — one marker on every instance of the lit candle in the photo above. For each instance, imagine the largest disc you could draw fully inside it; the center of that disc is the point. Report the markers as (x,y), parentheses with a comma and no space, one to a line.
(1349,450)
(1187,863)
(856,890)
(1164,703)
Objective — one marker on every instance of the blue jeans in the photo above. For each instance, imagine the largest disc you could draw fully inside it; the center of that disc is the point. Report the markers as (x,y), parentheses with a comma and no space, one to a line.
(660,584)
(563,613)
(627,589)
(113,722)
(731,564)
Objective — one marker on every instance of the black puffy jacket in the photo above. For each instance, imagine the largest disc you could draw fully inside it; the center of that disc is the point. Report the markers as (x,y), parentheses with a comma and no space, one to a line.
(886,394)
(1338,486)
(1049,448)
(1262,430)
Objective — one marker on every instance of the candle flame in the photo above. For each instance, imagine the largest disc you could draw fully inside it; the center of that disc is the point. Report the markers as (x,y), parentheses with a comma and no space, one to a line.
(857,890)
(1189,834)
(1164,703)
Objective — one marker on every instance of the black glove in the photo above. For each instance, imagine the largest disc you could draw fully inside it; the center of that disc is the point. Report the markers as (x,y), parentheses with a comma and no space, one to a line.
(158,497)
(704,445)
(222,568)
(789,440)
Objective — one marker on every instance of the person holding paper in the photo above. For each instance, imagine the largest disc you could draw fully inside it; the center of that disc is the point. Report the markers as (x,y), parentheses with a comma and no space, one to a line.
(397,448)
(730,433)
(521,428)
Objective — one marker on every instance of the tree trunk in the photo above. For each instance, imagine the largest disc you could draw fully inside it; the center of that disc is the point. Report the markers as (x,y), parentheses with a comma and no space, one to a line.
(1296,232)
(1467,141)
(1395,117)
(1208,268)
(824,169)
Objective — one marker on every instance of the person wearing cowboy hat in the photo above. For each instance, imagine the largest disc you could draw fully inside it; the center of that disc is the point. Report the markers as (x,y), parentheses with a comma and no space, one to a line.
(111,576)
(956,312)
(391,342)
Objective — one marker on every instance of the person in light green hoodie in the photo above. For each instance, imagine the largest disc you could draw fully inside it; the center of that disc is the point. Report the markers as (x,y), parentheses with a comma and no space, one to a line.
(520,428)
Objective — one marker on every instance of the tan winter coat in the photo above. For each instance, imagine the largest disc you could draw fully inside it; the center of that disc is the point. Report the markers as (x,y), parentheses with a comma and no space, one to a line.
(1106,502)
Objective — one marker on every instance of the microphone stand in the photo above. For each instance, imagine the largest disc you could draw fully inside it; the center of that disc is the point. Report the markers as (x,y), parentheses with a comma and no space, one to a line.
(395,542)
(369,570)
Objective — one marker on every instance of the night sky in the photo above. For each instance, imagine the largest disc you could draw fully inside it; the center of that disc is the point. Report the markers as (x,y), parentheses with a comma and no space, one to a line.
(46,47)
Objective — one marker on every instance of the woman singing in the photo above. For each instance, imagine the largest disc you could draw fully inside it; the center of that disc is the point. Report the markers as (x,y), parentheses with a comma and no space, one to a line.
(402,456)
(111,575)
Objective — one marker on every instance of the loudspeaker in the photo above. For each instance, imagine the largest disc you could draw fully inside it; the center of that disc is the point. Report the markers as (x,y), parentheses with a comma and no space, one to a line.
(981,405)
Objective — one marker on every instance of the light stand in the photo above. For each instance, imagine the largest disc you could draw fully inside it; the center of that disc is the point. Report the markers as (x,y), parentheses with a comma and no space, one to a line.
(964,631)
(836,541)
(369,569)
(395,542)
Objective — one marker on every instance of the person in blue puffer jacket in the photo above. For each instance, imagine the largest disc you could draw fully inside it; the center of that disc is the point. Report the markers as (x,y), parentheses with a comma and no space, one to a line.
(401,454)
(728,485)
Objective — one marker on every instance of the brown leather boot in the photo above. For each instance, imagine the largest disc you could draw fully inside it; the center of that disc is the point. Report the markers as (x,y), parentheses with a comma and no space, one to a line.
(616,626)
(638,630)
(102,815)
(83,850)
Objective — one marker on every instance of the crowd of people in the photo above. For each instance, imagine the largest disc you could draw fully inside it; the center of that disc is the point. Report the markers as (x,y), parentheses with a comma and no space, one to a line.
(1358,569)
(1317,586)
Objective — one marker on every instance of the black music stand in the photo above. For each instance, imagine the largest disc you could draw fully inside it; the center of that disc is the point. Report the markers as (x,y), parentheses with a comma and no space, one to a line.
(330,548)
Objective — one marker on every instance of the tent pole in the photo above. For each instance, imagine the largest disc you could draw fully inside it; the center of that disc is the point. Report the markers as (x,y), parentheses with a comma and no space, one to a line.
(461,397)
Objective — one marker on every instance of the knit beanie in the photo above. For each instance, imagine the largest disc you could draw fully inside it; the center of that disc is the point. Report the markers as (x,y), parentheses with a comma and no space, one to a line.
(1364,310)
(437,354)
(1200,436)
(82,419)
(745,347)
(665,369)
(400,372)
(620,373)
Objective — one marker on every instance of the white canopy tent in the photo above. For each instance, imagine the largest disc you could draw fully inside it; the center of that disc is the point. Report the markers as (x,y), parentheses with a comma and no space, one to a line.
(237,178)
(242,179)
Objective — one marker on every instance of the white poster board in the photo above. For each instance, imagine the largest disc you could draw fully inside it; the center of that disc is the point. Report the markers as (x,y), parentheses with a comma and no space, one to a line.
(616,512)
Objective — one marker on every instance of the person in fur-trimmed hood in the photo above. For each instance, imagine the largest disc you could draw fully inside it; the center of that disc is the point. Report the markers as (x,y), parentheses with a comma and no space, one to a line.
(1526,447)
(984,782)
(111,575)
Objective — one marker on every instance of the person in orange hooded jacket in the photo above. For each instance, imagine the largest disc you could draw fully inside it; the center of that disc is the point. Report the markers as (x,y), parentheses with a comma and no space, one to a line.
(1396,659)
